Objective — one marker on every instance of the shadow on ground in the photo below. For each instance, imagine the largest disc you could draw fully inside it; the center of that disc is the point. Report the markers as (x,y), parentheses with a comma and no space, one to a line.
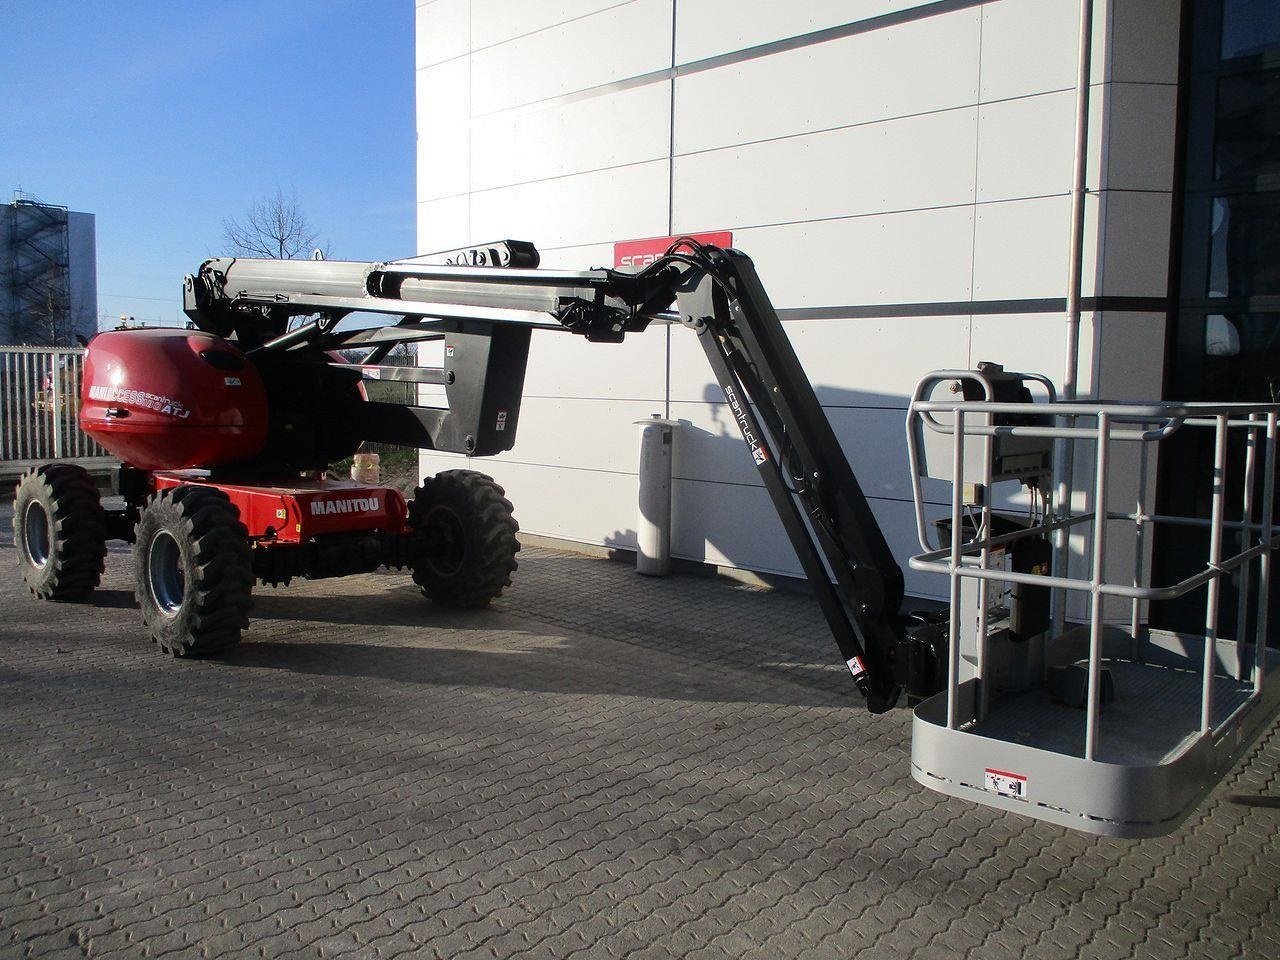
(395,634)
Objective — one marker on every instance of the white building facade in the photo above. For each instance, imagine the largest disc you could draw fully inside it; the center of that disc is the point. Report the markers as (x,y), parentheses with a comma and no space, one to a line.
(900,172)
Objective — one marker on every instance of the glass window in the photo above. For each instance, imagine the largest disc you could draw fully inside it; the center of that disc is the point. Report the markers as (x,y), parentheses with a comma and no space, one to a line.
(1227,349)
(1250,27)
(1244,253)
(1247,125)
(1242,358)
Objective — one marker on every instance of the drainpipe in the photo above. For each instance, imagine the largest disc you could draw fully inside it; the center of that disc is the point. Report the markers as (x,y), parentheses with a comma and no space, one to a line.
(1064,462)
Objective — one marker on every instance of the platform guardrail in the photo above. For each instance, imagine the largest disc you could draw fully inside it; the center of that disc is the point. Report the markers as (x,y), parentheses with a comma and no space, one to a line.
(1221,684)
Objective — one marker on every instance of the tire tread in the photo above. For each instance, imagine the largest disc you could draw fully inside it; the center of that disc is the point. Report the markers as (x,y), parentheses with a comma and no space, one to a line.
(78,542)
(220,588)
(490,529)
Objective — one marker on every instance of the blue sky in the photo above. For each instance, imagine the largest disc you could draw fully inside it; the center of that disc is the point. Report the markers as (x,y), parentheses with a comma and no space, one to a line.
(163,117)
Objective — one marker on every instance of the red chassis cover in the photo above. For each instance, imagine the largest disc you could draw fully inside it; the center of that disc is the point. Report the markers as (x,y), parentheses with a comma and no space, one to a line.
(304,509)
(167,399)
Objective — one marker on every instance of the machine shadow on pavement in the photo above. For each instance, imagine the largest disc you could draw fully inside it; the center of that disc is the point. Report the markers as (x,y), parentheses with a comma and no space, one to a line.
(113,599)
(392,633)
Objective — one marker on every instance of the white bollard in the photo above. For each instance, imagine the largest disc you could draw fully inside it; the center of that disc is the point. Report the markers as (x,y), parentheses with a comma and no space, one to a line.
(653,518)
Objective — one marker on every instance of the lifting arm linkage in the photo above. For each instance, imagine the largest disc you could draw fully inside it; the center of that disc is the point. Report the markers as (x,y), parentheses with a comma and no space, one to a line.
(814,491)
(719,295)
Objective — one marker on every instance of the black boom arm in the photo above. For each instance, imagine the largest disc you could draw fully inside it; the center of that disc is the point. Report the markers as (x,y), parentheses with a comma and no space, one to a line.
(814,491)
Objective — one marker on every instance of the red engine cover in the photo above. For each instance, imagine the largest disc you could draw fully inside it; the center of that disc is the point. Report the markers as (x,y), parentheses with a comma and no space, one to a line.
(168,399)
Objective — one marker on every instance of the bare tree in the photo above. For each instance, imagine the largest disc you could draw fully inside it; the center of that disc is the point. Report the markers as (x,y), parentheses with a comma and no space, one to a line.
(274,228)
(47,318)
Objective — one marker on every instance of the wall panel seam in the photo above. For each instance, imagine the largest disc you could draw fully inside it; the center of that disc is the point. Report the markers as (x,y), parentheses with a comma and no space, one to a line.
(522,36)
(553,177)
(895,18)
(865,123)
(960,205)
(868,25)
(977,191)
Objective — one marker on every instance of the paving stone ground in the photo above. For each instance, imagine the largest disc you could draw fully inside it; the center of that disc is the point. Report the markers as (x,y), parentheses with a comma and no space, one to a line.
(601,765)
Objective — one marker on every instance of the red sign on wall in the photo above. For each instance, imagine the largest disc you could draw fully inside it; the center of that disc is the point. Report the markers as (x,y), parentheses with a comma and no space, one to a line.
(638,254)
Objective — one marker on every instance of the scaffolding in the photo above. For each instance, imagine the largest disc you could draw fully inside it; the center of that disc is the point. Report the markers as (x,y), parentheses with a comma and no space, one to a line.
(37,258)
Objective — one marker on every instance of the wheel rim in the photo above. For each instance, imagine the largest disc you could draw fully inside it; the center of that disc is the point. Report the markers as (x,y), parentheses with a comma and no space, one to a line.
(37,533)
(446,545)
(164,573)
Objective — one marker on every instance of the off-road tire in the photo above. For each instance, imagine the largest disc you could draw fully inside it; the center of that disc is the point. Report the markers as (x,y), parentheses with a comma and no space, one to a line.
(195,532)
(465,542)
(60,530)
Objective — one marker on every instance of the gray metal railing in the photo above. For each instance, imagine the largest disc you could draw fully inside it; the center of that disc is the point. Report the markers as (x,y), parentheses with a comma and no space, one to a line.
(1145,425)
(40,405)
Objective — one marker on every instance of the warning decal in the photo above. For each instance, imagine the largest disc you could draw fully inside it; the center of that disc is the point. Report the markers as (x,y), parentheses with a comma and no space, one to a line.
(1006,784)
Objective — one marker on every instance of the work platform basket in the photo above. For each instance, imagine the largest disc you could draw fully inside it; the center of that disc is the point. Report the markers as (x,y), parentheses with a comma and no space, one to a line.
(1105,725)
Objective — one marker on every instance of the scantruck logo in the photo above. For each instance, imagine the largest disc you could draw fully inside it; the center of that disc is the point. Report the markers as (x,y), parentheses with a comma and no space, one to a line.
(638,254)
(744,424)
(320,508)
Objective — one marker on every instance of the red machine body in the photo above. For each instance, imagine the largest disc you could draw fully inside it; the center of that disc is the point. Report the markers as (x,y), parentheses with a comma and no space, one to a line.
(304,509)
(170,399)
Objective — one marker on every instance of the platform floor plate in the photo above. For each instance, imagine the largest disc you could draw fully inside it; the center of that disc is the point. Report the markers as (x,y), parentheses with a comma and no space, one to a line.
(1155,713)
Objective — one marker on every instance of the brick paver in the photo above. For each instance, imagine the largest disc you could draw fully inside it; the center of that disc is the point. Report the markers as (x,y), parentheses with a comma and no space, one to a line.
(601,765)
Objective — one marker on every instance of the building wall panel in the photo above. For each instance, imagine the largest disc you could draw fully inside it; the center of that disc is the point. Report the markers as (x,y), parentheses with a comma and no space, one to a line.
(577,433)
(586,208)
(868,362)
(1141,121)
(577,256)
(567,365)
(621,42)
(875,362)
(1135,244)
(1025,146)
(912,257)
(442,32)
(1028,47)
(904,164)
(1143,40)
(738,527)
(498,21)
(444,142)
(606,131)
(933,64)
(1020,248)
(710,449)
(729,526)
(1030,343)
(444,224)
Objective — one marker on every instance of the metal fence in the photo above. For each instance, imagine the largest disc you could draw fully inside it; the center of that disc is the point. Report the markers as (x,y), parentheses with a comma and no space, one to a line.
(40,405)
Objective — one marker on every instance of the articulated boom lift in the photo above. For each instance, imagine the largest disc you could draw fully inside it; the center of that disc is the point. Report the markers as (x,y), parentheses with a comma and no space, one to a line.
(225,432)
(251,407)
